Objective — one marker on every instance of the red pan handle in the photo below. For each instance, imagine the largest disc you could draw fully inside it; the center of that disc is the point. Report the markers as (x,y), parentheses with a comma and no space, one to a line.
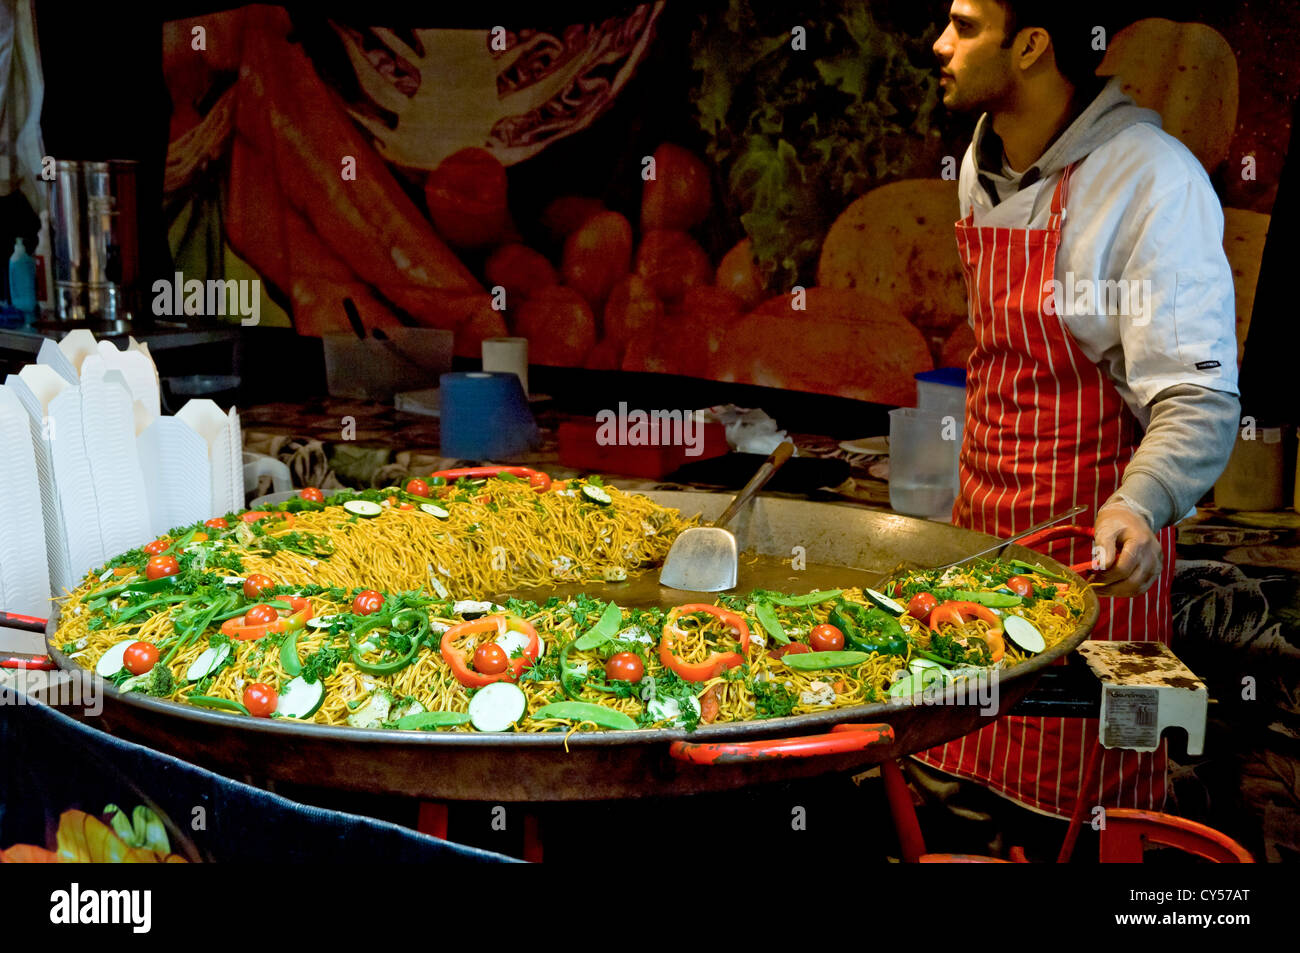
(841,739)
(1061,532)
(541,482)
(39,662)
(28,623)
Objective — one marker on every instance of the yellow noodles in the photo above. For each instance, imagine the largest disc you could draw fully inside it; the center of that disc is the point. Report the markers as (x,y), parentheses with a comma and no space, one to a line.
(545,538)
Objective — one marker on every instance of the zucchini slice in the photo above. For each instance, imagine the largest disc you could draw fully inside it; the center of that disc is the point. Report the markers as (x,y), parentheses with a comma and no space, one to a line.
(886,603)
(596,494)
(433,509)
(301,698)
(363,508)
(110,663)
(207,662)
(1024,633)
(324,621)
(497,707)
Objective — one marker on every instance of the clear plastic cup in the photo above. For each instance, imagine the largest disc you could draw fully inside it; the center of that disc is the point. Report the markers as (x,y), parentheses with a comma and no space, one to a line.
(923,447)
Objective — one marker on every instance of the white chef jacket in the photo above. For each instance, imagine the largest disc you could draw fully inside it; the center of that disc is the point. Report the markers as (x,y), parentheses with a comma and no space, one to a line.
(1140,208)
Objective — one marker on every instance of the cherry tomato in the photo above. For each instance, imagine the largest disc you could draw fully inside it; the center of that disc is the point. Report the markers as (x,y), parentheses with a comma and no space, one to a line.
(826,638)
(367,602)
(157,547)
(490,659)
(254,585)
(921,606)
(313,494)
(1060,610)
(417,487)
(260,699)
(139,657)
(1020,585)
(260,615)
(217,522)
(626,666)
(159,566)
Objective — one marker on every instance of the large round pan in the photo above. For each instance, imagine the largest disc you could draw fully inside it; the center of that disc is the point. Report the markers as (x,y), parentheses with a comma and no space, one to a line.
(838,541)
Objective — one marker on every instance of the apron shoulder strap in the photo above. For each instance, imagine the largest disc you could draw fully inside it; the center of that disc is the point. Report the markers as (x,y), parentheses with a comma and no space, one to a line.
(1060,195)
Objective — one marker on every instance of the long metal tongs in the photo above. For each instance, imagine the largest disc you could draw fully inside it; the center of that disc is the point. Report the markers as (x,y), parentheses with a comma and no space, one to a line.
(1003,544)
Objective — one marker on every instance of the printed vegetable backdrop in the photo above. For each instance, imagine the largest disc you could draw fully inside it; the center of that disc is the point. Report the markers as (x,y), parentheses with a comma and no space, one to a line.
(417,170)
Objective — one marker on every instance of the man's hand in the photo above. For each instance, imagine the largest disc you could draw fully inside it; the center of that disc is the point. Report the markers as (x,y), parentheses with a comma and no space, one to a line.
(1126,554)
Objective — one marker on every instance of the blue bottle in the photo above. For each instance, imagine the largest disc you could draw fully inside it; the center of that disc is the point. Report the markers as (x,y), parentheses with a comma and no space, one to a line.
(22,279)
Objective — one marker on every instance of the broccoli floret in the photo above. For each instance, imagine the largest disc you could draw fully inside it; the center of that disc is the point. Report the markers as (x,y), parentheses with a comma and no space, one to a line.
(161,682)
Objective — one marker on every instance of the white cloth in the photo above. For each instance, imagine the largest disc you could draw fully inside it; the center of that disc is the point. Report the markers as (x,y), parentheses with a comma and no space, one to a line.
(1141,209)
(22,90)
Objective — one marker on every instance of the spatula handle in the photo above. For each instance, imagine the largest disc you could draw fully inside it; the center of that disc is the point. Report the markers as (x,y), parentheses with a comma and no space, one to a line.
(759,480)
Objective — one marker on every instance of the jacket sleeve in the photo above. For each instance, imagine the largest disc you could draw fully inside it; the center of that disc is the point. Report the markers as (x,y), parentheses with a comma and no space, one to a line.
(1185,449)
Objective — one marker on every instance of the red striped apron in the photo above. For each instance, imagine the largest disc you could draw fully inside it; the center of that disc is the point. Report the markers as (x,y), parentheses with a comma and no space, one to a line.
(1045,430)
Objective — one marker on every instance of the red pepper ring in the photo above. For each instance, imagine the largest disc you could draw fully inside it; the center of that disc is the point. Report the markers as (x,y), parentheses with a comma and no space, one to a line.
(252,516)
(956,612)
(541,482)
(489,623)
(299,614)
(715,664)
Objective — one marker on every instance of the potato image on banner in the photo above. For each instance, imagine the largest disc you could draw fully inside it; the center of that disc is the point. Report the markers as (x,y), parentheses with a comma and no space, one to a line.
(843,343)
(1187,72)
(896,244)
(1244,232)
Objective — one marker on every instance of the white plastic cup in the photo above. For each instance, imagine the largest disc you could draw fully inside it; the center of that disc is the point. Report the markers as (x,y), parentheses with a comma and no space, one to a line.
(509,355)
(923,448)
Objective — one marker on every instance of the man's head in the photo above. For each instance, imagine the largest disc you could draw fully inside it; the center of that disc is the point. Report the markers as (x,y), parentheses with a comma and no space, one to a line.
(993,49)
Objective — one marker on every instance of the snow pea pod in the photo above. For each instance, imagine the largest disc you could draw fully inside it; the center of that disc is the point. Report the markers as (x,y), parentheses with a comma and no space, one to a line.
(432,719)
(814,661)
(994,600)
(585,711)
(289,660)
(767,615)
(604,629)
(1023,566)
(810,599)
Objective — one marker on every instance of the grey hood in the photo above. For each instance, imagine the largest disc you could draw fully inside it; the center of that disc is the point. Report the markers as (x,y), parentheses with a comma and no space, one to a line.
(1109,112)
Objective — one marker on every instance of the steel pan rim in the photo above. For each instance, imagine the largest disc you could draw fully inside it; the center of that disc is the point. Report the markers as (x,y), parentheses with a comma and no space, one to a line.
(741,730)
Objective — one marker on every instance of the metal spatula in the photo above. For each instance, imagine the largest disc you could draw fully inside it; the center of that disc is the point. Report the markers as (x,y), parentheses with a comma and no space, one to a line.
(704,558)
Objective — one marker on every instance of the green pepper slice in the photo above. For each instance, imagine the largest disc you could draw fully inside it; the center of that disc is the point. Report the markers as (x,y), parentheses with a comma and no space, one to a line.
(869,629)
(393,665)
(147,585)
(211,701)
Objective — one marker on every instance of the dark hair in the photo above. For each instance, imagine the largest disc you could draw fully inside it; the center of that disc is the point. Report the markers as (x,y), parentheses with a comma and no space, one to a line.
(1071,26)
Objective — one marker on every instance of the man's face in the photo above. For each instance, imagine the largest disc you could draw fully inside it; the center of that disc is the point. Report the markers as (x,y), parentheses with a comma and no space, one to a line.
(975,69)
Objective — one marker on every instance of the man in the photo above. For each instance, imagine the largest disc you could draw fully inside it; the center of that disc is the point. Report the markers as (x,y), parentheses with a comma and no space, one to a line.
(1075,394)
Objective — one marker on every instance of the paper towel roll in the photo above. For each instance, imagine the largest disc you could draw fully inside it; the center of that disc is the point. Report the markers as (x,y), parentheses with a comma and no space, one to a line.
(507,354)
(485,416)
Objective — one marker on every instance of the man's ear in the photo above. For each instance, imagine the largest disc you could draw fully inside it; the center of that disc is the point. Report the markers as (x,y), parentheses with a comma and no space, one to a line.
(1033,44)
